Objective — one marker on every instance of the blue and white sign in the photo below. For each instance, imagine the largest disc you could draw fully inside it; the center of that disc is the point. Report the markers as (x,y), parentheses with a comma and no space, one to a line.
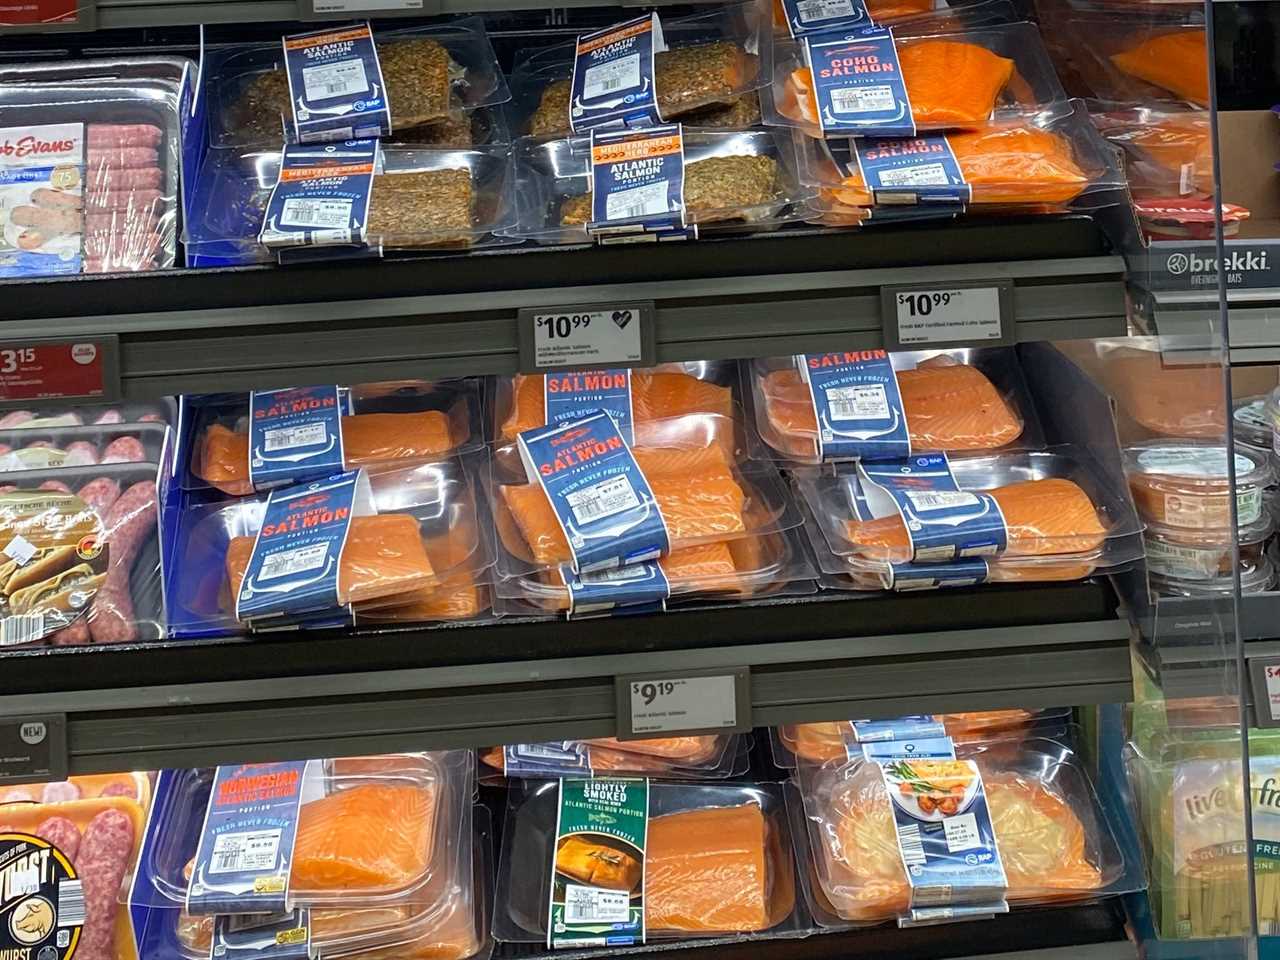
(336,89)
(553,759)
(636,586)
(857,404)
(572,396)
(321,197)
(819,16)
(927,748)
(913,170)
(637,182)
(256,936)
(613,84)
(295,434)
(857,83)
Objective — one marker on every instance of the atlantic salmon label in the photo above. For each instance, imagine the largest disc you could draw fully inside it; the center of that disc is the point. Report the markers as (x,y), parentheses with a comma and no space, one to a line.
(637,182)
(639,587)
(336,87)
(912,170)
(817,16)
(554,759)
(259,936)
(599,494)
(572,396)
(42,898)
(943,522)
(321,197)
(857,404)
(295,435)
(245,851)
(293,569)
(857,83)
(613,82)
(597,869)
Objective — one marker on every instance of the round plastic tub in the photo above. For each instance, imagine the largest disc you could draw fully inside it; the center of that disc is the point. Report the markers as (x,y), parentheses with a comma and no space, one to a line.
(1257,580)
(1252,423)
(1185,483)
(1197,555)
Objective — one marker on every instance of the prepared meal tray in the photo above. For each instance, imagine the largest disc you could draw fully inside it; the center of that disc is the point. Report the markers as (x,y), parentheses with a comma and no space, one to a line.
(1057,506)
(82,561)
(434,75)
(961,400)
(711,65)
(381,424)
(422,198)
(954,79)
(34,448)
(104,195)
(1052,841)
(1187,484)
(424,554)
(709,757)
(1033,164)
(716,862)
(734,181)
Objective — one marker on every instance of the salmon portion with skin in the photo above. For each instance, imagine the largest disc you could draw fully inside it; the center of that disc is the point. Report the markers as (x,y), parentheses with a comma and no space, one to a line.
(1041,517)
(1177,62)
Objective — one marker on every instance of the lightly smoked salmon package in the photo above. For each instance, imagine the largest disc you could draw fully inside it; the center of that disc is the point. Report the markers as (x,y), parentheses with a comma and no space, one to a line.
(1052,840)
(962,400)
(716,862)
(710,757)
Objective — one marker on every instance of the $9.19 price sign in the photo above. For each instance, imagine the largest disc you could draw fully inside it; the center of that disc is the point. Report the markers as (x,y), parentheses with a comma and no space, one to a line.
(954,314)
(689,702)
(615,335)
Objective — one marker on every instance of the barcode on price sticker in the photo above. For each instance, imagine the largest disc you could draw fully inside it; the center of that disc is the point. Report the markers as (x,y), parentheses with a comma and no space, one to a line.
(245,852)
(335,79)
(592,905)
(926,500)
(811,10)
(867,402)
(21,628)
(862,99)
(310,212)
(603,499)
(71,910)
(924,175)
(286,438)
(611,76)
(911,844)
(644,201)
(285,563)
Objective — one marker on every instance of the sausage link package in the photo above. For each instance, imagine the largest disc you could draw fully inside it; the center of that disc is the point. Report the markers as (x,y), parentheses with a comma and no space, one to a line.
(610,862)
(670,758)
(78,843)
(999,825)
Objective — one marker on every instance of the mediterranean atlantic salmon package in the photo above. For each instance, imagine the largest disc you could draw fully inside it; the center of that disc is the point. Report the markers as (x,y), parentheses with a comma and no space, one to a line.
(874,405)
(242,443)
(680,860)
(709,757)
(1036,834)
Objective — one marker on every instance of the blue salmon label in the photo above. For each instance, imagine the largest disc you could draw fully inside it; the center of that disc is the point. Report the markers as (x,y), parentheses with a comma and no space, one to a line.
(245,851)
(912,727)
(637,181)
(943,522)
(932,576)
(335,85)
(613,76)
(572,396)
(857,83)
(945,835)
(915,170)
(599,494)
(294,566)
(816,16)
(635,585)
(294,435)
(857,404)
(556,759)
(283,936)
(321,197)
(926,748)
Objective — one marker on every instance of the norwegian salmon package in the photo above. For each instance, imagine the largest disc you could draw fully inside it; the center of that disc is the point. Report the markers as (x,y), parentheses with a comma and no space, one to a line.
(691,860)
(1036,834)
(669,758)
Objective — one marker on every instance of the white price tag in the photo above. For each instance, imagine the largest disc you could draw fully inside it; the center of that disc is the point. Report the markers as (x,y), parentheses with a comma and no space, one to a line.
(364,6)
(945,316)
(1272,672)
(601,337)
(696,703)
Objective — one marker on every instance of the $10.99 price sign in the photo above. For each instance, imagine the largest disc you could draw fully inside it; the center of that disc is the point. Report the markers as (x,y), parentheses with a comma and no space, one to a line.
(59,370)
(916,317)
(617,335)
(693,702)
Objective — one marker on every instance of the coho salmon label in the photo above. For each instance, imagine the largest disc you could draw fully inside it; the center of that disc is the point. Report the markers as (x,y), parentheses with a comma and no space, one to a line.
(914,170)
(857,83)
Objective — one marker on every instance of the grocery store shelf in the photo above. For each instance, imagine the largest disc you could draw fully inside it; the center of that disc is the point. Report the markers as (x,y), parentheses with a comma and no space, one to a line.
(237,329)
(290,696)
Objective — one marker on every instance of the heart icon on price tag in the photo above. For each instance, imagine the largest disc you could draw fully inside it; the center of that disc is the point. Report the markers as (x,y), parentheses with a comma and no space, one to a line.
(622,318)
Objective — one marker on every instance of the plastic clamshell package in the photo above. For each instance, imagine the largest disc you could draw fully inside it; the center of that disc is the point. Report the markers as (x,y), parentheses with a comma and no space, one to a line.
(961,400)
(1168,151)
(1054,843)
(947,71)
(1185,483)
(708,757)
(712,61)
(704,876)
(735,181)
(245,81)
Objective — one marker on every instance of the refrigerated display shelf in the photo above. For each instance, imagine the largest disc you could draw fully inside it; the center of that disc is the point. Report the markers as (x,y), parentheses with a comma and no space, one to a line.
(346,322)
(304,695)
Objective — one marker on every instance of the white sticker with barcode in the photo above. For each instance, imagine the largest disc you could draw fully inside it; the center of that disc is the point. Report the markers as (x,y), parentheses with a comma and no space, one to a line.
(253,850)
(20,549)
(287,563)
(962,833)
(927,500)
(1187,178)
(611,76)
(811,10)
(647,200)
(310,212)
(71,909)
(339,79)
(593,905)
(923,175)
(603,499)
(21,628)
(286,438)
(864,402)
(862,99)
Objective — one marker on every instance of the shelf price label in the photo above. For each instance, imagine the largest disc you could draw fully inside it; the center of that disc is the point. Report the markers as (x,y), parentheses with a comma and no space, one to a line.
(684,702)
(33,749)
(957,313)
(323,9)
(1264,672)
(63,369)
(44,13)
(586,336)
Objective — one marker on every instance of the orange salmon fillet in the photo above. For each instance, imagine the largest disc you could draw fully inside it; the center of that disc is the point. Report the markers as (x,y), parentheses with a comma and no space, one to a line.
(366,438)
(684,749)
(597,864)
(1177,62)
(706,870)
(374,837)
(949,406)
(383,556)
(949,83)
(1041,516)
(654,396)
(695,489)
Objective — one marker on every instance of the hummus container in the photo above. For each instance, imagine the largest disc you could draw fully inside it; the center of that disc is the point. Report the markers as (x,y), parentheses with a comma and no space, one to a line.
(1186,483)
(1197,555)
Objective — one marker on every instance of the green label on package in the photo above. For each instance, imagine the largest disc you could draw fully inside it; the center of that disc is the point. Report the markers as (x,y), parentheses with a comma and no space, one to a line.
(597,868)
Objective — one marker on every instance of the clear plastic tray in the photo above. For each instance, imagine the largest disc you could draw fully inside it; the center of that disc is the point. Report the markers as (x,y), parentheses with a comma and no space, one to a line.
(739,180)
(713,62)
(249,93)
(1167,148)
(932,382)
(1259,579)
(947,74)
(709,757)
(1185,483)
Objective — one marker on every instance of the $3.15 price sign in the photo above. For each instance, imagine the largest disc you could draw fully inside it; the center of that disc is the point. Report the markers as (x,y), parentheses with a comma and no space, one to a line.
(716,700)
(59,370)
(617,335)
(922,316)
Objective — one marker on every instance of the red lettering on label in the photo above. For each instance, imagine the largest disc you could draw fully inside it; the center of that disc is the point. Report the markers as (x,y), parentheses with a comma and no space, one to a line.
(822,361)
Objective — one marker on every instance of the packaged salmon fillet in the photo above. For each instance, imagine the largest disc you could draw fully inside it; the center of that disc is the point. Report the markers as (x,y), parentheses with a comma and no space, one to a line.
(1038,831)
(876,405)
(697,860)
(1187,484)
(304,433)
(946,78)
(673,758)
(1168,148)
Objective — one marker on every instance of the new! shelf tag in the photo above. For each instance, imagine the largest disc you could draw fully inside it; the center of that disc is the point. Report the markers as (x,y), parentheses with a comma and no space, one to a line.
(958,313)
(336,87)
(818,16)
(857,83)
(857,404)
(637,185)
(59,369)
(683,702)
(322,196)
(593,336)
(916,170)
(33,749)
(613,76)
